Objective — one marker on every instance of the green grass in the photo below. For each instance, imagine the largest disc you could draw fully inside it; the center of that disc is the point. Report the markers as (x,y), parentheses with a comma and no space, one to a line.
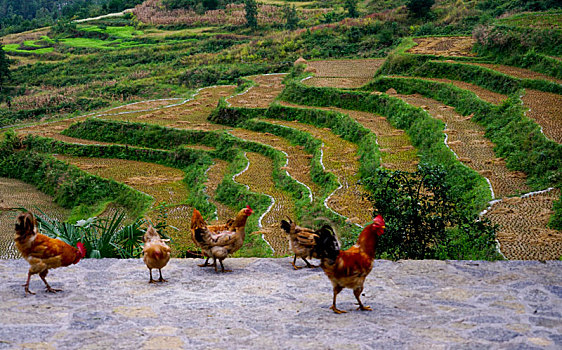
(126,32)
(99,43)
(549,20)
(15,48)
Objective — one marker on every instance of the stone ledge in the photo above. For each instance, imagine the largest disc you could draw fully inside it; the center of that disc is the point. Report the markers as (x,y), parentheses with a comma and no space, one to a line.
(264,303)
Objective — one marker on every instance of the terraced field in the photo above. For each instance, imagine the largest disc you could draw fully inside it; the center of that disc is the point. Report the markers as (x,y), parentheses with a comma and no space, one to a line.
(519,238)
(444,46)
(258,178)
(163,183)
(260,95)
(191,114)
(340,158)
(546,109)
(397,152)
(484,94)
(523,234)
(467,140)
(342,73)
(298,161)
(215,175)
(517,72)
(16,194)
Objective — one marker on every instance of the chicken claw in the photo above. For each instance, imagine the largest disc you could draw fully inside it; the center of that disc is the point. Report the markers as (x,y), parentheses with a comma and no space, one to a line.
(337,311)
(52,290)
(364,308)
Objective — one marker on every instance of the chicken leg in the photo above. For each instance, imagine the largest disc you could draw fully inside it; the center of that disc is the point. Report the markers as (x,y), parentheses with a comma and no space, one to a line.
(337,290)
(357,293)
(43,274)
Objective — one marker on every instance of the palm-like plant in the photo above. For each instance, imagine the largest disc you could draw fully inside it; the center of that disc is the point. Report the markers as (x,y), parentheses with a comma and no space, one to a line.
(102,237)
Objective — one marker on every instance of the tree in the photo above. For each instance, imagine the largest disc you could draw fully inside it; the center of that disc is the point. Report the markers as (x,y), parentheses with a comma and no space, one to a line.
(251,13)
(425,219)
(351,8)
(4,70)
(291,17)
(419,8)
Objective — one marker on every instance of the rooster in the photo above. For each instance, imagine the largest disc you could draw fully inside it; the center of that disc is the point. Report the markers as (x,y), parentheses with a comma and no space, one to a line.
(156,252)
(349,268)
(42,252)
(302,241)
(218,241)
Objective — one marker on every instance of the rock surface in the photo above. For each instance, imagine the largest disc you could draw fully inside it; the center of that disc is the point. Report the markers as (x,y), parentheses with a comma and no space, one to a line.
(264,303)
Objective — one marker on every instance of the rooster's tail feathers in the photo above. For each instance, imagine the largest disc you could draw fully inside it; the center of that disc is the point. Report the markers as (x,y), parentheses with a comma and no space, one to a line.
(327,245)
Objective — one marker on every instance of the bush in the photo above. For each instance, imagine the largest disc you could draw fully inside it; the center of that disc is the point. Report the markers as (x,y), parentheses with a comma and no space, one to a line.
(424,218)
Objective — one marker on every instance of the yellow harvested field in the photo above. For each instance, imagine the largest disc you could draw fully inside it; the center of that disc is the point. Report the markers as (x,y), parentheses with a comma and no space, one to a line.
(258,177)
(467,140)
(453,46)
(299,161)
(523,234)
(517,72)
(163,183)
(546,109)
(260,95)
(340,158)
(15,194)
(342,83)
(397,152)
(359,68)
(215,175)
(144,105)
(190,115)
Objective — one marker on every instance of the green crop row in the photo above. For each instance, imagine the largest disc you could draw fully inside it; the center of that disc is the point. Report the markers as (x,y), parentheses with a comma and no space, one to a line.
(518,139)
(425,132)
(481,76)
(71,187)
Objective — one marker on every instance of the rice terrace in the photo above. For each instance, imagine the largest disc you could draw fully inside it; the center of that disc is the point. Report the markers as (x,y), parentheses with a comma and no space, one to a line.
(443,117)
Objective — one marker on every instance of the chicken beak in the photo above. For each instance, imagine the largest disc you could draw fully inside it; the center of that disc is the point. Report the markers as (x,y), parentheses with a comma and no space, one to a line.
(383,226)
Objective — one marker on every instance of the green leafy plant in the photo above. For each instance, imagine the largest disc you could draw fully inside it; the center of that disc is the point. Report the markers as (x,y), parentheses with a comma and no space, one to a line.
(105,237)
